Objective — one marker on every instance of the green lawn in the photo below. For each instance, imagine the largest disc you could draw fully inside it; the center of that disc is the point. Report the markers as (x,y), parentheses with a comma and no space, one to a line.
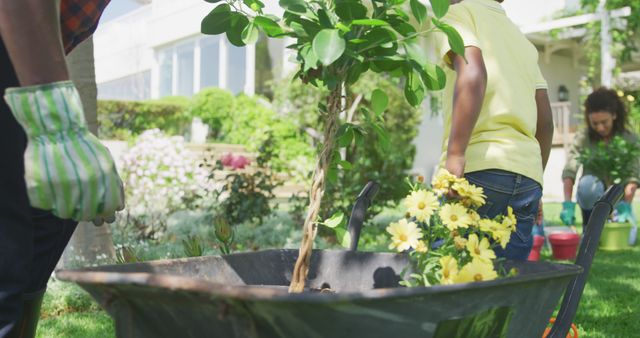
(609,306)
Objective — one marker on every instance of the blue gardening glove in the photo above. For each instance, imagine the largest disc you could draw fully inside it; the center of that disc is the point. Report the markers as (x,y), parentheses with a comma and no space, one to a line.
(67,169)
(567,215)
(623,212)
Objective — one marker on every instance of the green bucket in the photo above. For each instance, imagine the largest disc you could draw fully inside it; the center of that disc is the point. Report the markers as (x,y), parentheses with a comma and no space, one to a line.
(615,236)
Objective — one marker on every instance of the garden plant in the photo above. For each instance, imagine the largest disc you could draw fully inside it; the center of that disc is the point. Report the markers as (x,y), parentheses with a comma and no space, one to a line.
(335,43)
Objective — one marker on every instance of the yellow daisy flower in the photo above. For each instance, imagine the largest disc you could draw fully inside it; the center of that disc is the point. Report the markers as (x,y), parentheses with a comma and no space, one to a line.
(449,270)
(405,235)
(475,218)
(454,216)
(480,249)
(476,271)
(510,220)
(422,204)
(422,247)
(471,195)
(443,181)
(460,243)
(499,231)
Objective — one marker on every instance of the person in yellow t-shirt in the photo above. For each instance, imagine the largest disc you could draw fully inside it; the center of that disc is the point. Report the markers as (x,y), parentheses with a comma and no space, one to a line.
(498,122)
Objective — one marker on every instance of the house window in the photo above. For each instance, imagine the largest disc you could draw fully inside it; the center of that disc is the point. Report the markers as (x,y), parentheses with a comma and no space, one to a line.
(132,87)
(166,73)
(209,62)
(185,62)
(236,68)
(184,69)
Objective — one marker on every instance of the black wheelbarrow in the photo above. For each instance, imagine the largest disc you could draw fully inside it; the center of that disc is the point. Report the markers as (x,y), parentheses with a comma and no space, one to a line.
(350,294)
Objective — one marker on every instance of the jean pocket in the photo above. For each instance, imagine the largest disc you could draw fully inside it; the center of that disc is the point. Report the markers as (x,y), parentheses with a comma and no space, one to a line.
(524,228)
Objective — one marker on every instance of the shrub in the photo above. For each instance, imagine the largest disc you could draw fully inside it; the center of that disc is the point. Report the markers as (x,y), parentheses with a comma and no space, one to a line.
(160,177)
(124,119)
(213,106)
(247,194)
(252,122)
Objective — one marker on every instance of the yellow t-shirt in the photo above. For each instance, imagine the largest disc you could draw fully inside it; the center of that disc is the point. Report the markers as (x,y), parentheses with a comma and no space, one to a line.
(504,135)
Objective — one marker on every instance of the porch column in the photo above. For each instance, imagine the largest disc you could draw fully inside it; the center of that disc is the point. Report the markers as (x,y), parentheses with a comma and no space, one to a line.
(607,60)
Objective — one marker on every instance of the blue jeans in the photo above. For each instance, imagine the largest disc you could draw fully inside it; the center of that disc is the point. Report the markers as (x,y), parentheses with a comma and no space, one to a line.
(31,240)
(523,194)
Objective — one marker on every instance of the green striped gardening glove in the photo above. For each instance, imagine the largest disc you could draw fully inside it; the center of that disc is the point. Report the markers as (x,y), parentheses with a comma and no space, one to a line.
(67,169)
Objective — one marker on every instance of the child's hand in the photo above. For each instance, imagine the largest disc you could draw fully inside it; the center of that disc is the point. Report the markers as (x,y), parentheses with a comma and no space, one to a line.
(455,165)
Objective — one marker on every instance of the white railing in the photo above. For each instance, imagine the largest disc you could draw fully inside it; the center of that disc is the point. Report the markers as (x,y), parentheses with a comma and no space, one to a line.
(561,122)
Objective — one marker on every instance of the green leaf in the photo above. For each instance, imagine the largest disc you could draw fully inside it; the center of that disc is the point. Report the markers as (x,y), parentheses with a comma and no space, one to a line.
(343,237)
(436,77)
(346,138)
(217,21)
(369,22)
(354,72)
(343,28)
(212,1)
(415,51)
(238,23)
(250,34)
(377,36)
(379,101)
(455,40)
(310,58)
(324,19)
(419,10)
(383,136)
(350,10)
(298,29)
(335,220)
(255,5)
(270,27)
(328,46)
(440,7)
(413,89)
(346,165)
(294,6)
(386,64)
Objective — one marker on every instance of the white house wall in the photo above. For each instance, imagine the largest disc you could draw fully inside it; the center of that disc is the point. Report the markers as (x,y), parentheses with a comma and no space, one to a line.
(562,71)
(122,48)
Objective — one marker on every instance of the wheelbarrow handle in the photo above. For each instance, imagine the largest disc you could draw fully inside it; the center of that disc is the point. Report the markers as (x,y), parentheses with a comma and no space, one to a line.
(358,213)
(591,237)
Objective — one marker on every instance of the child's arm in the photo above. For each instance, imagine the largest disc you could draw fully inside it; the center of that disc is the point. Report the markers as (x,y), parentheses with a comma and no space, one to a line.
(471,83)
(544,129)
(30,30)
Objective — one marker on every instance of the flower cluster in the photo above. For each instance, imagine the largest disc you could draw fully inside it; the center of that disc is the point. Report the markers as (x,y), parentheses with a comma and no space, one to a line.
(160,177)
(449,241)
(235,162)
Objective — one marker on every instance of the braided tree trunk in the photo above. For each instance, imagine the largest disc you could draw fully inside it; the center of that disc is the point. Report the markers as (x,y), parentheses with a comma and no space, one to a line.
(331,120)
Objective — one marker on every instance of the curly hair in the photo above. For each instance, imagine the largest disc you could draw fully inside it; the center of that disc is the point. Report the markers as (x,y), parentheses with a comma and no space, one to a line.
(605,100)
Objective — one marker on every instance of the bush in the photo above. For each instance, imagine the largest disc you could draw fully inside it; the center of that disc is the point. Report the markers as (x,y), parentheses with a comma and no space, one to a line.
(253,122)
(247,193)
(213,106)
(124,119)
(160,177)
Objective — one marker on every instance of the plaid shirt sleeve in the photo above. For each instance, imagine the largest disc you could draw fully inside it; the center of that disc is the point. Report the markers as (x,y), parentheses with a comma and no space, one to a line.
(79,19)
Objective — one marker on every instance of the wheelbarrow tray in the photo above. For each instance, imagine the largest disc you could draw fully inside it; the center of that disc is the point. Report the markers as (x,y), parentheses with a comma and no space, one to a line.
(245,295)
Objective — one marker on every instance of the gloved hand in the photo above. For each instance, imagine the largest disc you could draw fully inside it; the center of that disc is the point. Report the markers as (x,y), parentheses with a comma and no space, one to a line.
(567,215)
(67,169)
(623,212)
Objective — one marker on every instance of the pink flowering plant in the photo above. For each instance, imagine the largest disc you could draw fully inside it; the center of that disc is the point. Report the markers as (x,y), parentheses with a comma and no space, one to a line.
(448,241)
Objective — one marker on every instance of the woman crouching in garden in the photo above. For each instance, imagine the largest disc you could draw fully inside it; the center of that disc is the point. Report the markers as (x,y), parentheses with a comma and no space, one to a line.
(608,153)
